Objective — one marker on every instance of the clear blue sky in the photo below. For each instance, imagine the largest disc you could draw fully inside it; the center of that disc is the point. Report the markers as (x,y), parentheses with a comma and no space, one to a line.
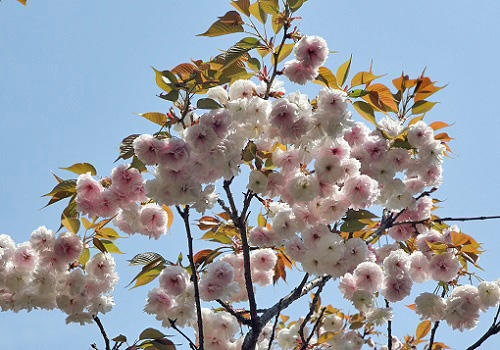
(74,75)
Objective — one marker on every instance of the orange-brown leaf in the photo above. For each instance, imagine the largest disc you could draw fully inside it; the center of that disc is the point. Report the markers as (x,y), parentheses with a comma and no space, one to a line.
(438,125)
(381,97)
(423,328)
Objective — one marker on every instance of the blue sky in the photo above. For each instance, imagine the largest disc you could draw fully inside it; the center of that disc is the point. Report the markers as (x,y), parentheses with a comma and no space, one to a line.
(74,75)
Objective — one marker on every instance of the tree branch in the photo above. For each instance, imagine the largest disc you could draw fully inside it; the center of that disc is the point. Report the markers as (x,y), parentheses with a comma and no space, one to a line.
(103,331)
(192,345)
(229,309)
(475,218)
(194,276)
(494,329)
(389,329)
(308,317)
(271,339)
(286,25)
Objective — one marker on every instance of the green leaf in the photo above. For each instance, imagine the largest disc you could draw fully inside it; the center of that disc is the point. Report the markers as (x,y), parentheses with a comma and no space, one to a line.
(207,103)
(343,71)
(359,214)
(422,106)
(239,49)
(242,6)
(120,339)
(231,22)
(285,51)
(258,12)
(155,117)
(171,96)
(254,64)
(148,273)
(358,93)
(81,168)
(145,258)
(126,147)
(151,333)
(277,22)
(138,164)
(111,247)
(84,257)
(71,223)
(295,4)
(64,186)
(352,226)
(398,143)
(366,111)
(271,7)
(249,152)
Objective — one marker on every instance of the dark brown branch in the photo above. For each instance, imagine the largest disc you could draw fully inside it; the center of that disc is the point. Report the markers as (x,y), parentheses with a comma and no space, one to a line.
(241,225)
(103,331)
(475,218)
(308,317)
(229,309)
(194,276)
(389,329)
(316,325)
(436,325)
(276,55)
(271,339)
(494,329)
(192,345)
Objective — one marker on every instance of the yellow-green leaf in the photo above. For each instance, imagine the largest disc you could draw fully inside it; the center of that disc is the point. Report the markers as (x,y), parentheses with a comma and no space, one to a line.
(285,51)
(155,117)
(363,78)
(422,106)
(261,220)
(87,224)
(148,276)
(84,257)
(71,223)
(162,81)
(343,71)
(111,247)
(151,333)
(257,11)
(271,7)
(277,22)
(81,168)
(231,22)
(107,233)
(326,78)
(242,6)
(366,111)
(423,328)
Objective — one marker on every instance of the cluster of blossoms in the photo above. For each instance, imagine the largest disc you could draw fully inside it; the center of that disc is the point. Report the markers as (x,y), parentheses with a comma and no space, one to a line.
(174,299)
(310,53)
(119,199)
(225,279)
(461,309)
(41,273)
(220,332)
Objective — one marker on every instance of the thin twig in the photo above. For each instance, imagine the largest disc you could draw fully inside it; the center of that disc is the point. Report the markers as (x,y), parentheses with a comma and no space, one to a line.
(192,345)
(308,317)
(229,309)
(475,218)
(194,277)
(271,339)
(316,325)
(389,329)
(103,331)
(286,25)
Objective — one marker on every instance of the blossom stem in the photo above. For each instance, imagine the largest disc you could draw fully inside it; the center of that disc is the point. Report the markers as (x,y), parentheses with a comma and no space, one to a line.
(389,329)
(103,331)
(276,55)
(475,218)
(194,276)
(192,345)
(308,317)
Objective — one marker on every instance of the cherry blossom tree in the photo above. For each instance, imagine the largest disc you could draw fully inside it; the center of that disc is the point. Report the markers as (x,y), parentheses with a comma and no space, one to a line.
(327,178)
